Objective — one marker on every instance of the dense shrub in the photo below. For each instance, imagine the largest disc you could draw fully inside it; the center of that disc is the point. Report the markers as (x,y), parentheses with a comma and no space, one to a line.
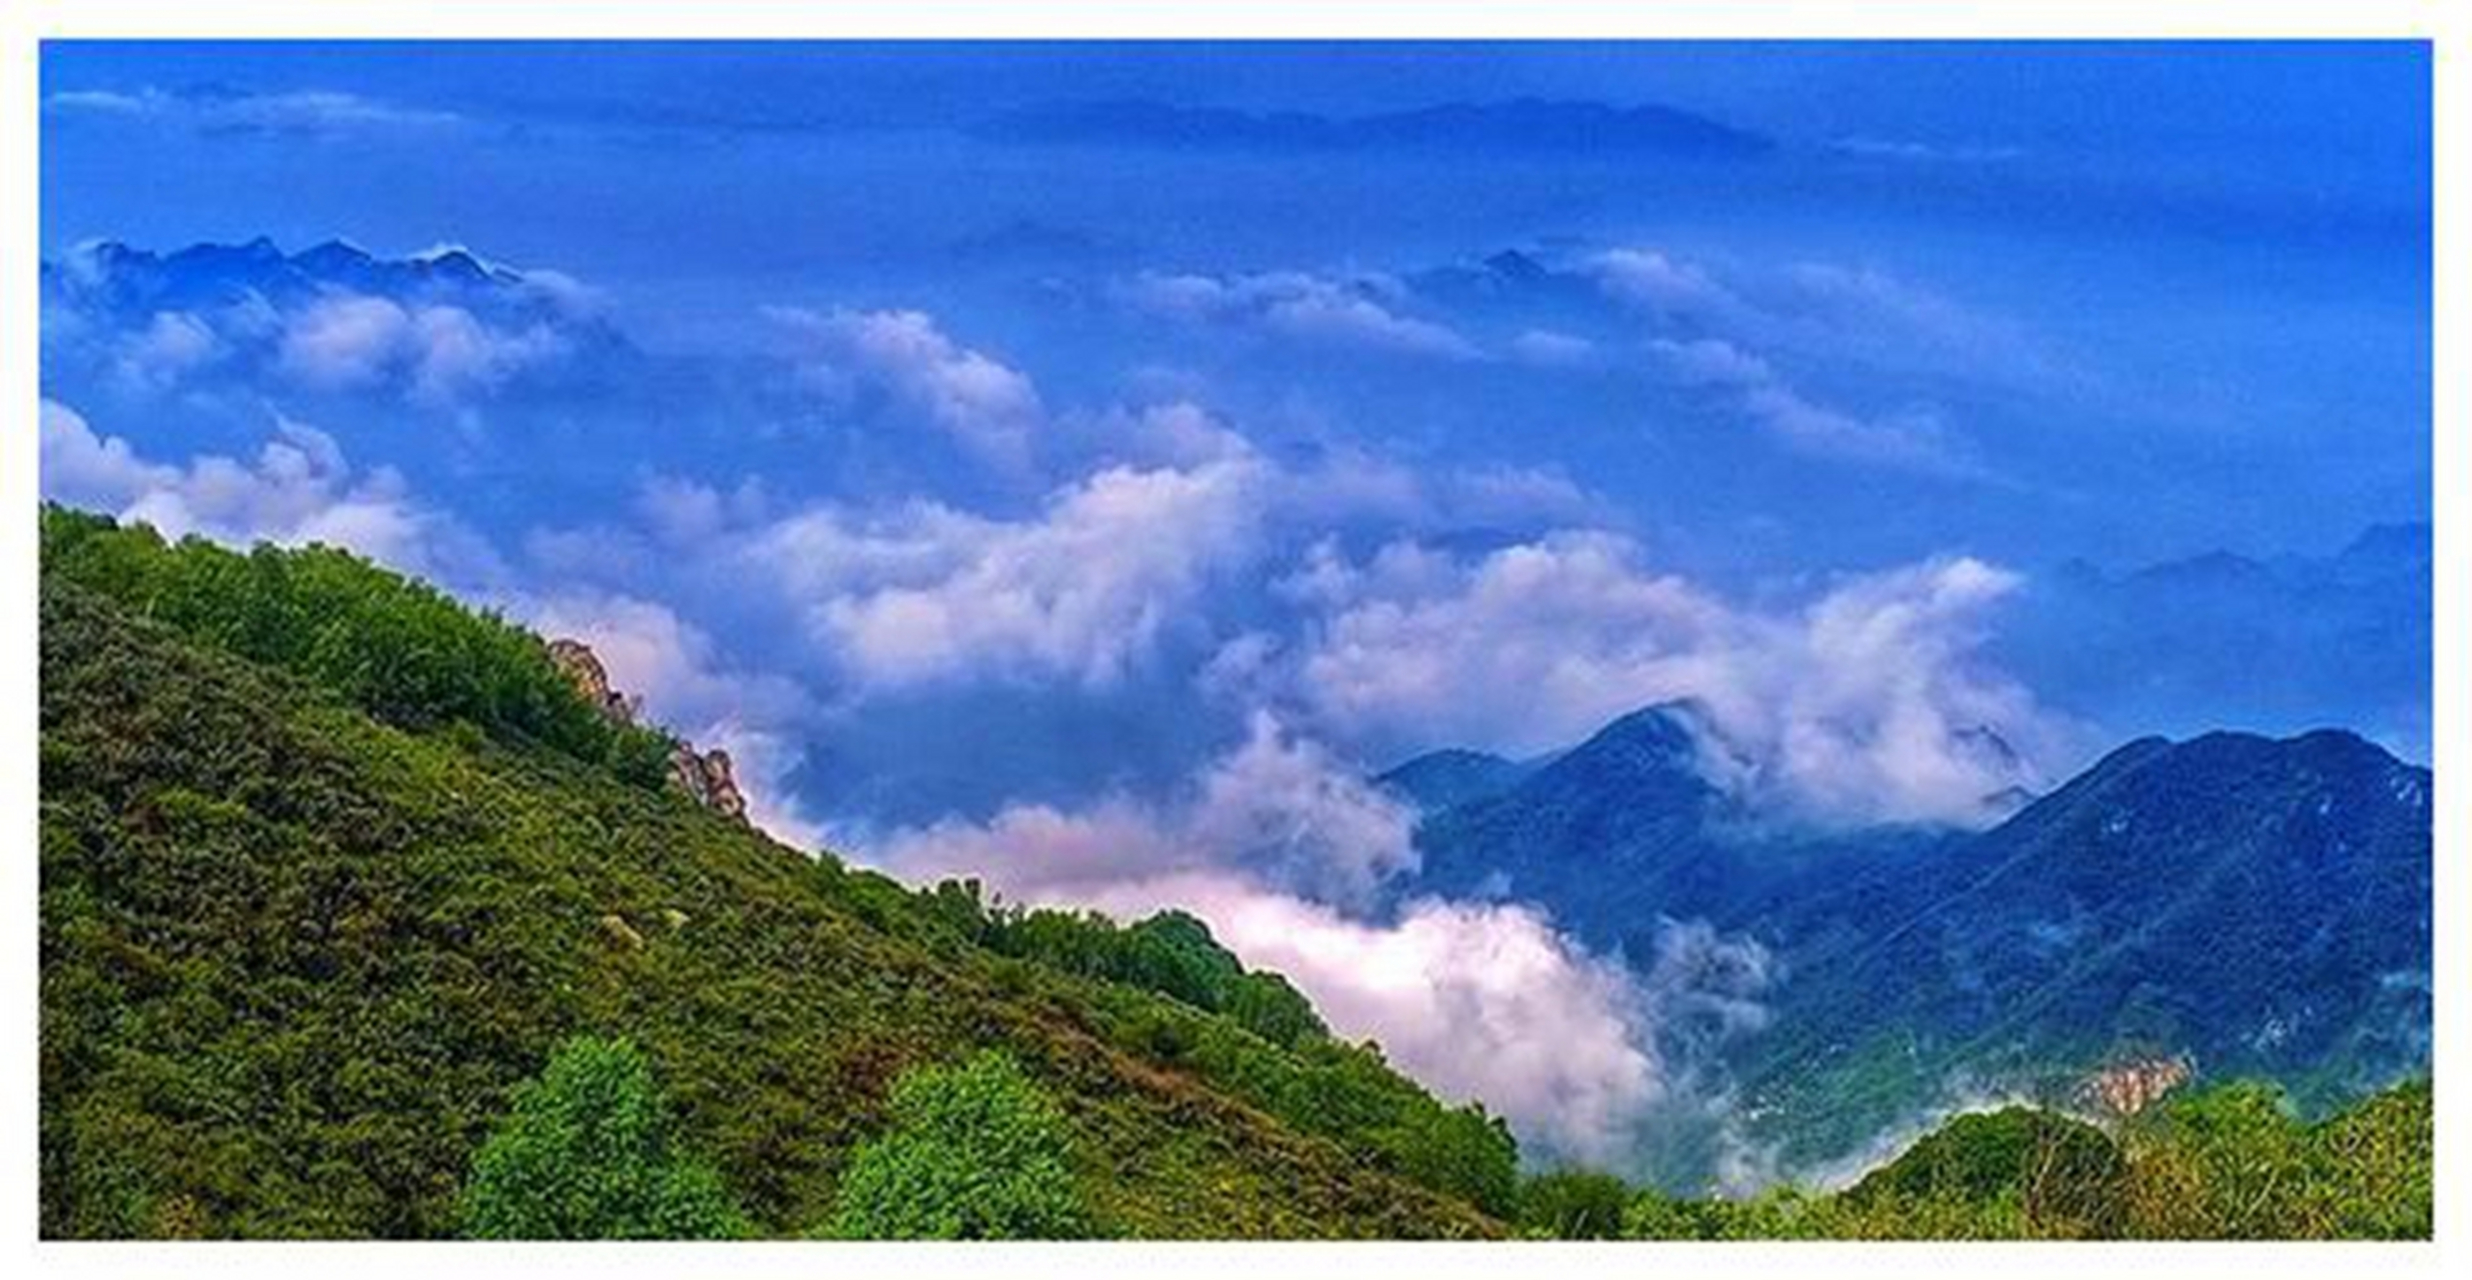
(587,1154)
(975,1152)
(1320,1084)
(1573,1205)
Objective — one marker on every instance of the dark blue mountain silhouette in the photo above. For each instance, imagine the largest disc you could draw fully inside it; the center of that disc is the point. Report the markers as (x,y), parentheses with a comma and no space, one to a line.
(2260,906)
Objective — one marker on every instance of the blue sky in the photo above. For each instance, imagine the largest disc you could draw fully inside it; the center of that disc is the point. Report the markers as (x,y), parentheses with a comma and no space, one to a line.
(1100,457)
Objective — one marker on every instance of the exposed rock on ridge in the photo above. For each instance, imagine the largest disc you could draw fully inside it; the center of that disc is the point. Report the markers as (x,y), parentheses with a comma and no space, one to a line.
(704,775)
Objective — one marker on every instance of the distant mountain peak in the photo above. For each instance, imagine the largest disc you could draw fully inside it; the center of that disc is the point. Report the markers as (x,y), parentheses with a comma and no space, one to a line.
(1671,728)
(1512,264)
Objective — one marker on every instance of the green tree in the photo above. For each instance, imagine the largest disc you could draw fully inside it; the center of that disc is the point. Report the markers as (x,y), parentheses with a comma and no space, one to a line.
(975,1152)
(2018,1170)
(1574,1204)
(1654,1215)
(587,1154)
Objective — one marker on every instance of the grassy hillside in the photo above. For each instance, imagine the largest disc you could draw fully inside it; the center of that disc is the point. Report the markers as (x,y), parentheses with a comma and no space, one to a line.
(296,960)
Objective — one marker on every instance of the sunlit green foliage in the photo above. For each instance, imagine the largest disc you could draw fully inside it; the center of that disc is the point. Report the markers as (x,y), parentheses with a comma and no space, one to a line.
(2035,1172)
(587,1154)
(975,1152)
(396,648)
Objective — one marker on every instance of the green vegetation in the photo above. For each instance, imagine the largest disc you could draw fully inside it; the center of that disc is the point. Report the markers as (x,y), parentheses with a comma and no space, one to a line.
(586,1154)
(321,957)
(1573,1205)
(2052,1175)
(299,959)
(975,1152)
(1269,1047)
(397,649)
(1170,953)
(2231,1163)
(2227,1162)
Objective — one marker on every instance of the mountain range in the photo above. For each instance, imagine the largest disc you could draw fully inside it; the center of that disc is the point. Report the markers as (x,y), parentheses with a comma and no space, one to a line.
(2234,905)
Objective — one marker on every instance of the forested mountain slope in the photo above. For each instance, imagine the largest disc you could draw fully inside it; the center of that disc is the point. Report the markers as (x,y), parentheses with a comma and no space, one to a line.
(303,935)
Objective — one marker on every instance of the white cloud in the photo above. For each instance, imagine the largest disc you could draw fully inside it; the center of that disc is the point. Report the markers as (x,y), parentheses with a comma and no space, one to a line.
(253,322)
(685,512)
(1913,441)
(1290,810)
(438,353)
(1828,312)
(1666,286)
(172,345)
(1553,349)
(1083,590)
(988,407)
(1521,650)
(1867,704)
(312,112)
(1278,807)
(1299,306)
(299,489)
(1478,1001)
(1175,432)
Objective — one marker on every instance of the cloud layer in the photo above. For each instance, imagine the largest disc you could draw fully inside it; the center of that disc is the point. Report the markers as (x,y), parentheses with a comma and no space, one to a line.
(298,489)
(1295,603)
(1866,704)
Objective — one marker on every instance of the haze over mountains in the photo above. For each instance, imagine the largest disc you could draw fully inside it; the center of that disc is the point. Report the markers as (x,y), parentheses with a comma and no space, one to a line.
(1081,469)
(1625,842)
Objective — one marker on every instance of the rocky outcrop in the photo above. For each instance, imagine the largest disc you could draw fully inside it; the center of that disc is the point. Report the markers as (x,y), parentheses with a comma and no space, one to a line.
(582,666)
(707,777)
(704,775)
(2127,1087)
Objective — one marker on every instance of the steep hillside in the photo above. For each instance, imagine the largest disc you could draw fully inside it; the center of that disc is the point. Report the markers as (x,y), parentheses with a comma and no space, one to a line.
(295,960)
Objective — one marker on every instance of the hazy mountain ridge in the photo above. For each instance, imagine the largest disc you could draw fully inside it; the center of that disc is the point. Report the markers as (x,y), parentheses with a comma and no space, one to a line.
(2292,640)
